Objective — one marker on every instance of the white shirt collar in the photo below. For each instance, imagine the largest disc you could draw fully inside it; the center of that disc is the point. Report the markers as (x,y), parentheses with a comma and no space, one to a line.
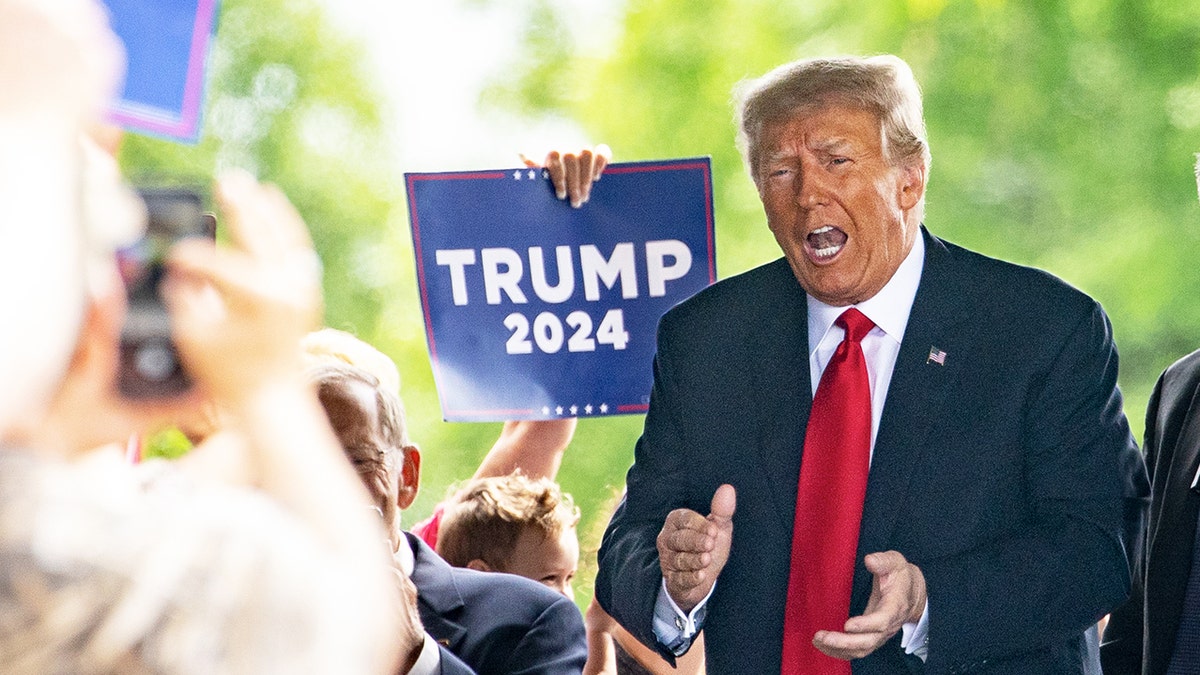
(429,661)
(405,556)
(889,308)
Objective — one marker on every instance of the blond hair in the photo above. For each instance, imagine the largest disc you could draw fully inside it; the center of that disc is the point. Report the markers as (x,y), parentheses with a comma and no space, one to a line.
(882,85)
(484,519)
(331,374)
(338,345)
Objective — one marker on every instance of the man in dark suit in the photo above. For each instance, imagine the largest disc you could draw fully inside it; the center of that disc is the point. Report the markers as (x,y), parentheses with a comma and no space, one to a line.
(988,532)
(493,622)
(1158,630)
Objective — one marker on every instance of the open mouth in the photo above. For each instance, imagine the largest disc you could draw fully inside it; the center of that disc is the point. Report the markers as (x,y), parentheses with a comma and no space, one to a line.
(825,242)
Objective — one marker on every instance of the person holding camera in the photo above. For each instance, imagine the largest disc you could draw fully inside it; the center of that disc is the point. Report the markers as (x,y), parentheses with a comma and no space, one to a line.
(102,574)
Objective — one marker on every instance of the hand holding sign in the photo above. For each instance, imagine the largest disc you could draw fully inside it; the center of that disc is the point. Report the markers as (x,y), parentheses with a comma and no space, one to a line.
(535,310)
(572,174)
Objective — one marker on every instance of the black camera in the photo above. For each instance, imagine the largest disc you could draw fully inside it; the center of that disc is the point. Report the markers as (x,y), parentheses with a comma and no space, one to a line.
(149,364)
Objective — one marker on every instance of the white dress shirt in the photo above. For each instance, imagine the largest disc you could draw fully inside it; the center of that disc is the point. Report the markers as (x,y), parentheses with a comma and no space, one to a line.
(889,310)
(430,660)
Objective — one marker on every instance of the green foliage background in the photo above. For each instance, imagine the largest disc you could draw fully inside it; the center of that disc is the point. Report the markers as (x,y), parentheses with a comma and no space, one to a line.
(1063,136)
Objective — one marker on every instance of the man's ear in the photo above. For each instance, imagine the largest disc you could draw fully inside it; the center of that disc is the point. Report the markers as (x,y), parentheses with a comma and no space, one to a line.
(912,186)
(479,565)
(410,477)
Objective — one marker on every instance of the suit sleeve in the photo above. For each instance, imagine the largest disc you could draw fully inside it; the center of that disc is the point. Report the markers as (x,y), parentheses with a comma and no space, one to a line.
(451,664)
(1123,642)
(629,576)
(1067,565)
(555,643)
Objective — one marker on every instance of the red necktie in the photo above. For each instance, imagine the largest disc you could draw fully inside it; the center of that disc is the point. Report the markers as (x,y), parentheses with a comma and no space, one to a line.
(829,502)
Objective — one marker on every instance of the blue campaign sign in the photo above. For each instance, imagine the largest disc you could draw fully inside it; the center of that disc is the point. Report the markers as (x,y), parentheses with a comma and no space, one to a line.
(536,310)
(166,48)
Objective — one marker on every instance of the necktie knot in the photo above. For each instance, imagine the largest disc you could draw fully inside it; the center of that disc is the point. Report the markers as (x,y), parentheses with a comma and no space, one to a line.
(855,323)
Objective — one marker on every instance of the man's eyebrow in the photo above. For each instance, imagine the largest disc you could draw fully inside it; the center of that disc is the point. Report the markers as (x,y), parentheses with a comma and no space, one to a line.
(835,145)
(778,156)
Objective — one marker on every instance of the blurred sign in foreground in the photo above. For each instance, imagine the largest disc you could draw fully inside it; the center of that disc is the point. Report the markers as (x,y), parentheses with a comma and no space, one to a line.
(166,46)
(536,310)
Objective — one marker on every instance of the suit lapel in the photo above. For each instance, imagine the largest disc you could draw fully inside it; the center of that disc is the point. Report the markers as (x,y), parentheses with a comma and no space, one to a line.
(918,390)
(1181,473)
(438,598)
(782,375)
(1174,524)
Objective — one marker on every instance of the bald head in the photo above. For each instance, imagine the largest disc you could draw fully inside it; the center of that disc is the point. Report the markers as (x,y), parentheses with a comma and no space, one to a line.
(368,420)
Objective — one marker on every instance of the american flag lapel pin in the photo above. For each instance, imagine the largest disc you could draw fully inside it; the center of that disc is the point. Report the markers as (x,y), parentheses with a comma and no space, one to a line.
(936,356)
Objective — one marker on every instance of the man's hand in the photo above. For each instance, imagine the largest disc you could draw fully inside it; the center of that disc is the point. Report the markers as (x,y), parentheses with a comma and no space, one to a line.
(573,173)
(239,312)
(692,549)
(58,60)
(897,597)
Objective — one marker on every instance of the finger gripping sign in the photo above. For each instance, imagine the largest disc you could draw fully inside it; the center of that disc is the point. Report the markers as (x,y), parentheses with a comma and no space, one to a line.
(536,310)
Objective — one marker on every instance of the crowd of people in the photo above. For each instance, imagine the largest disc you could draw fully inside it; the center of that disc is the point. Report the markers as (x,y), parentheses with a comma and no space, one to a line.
(107,569)
(881,453)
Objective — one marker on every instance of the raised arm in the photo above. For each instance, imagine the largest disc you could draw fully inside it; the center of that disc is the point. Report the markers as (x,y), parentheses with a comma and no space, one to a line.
(537,447)
(239,314)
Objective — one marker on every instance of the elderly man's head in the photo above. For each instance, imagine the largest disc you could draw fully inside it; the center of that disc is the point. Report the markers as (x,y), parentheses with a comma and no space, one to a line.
(369,423)
(42,300)
(59,238)
(60,63)
(837,150)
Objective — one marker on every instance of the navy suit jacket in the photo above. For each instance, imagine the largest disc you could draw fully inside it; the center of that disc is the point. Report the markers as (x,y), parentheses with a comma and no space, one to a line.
(449,664)
(497,623)
(1000,473)
(1141,634)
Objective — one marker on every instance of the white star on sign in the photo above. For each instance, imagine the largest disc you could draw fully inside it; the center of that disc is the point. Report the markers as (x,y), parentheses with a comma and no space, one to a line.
(545,173)
(574,410)
(558,410)
(603,407)
(532,174)
(588,408)
(545,410)
(517,175)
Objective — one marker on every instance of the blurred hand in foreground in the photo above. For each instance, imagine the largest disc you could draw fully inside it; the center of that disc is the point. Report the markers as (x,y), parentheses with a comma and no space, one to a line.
(240,312)
(58,60)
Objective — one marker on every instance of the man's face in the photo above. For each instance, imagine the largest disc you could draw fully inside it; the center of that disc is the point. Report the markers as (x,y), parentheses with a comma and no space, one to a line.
(549,561)
(836,206)
(353,412)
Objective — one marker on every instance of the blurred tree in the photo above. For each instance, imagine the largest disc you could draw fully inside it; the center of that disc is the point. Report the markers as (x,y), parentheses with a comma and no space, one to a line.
(290,100)
(1062,134)
(1062,131)
(292,106)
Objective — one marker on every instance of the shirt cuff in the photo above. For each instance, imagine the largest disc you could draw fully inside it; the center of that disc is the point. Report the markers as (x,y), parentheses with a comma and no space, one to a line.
(914,637)
(672,626)
(430,660)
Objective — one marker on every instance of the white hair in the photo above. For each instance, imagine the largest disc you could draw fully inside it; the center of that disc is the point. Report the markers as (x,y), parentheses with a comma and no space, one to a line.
(41,271)
(65,211)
